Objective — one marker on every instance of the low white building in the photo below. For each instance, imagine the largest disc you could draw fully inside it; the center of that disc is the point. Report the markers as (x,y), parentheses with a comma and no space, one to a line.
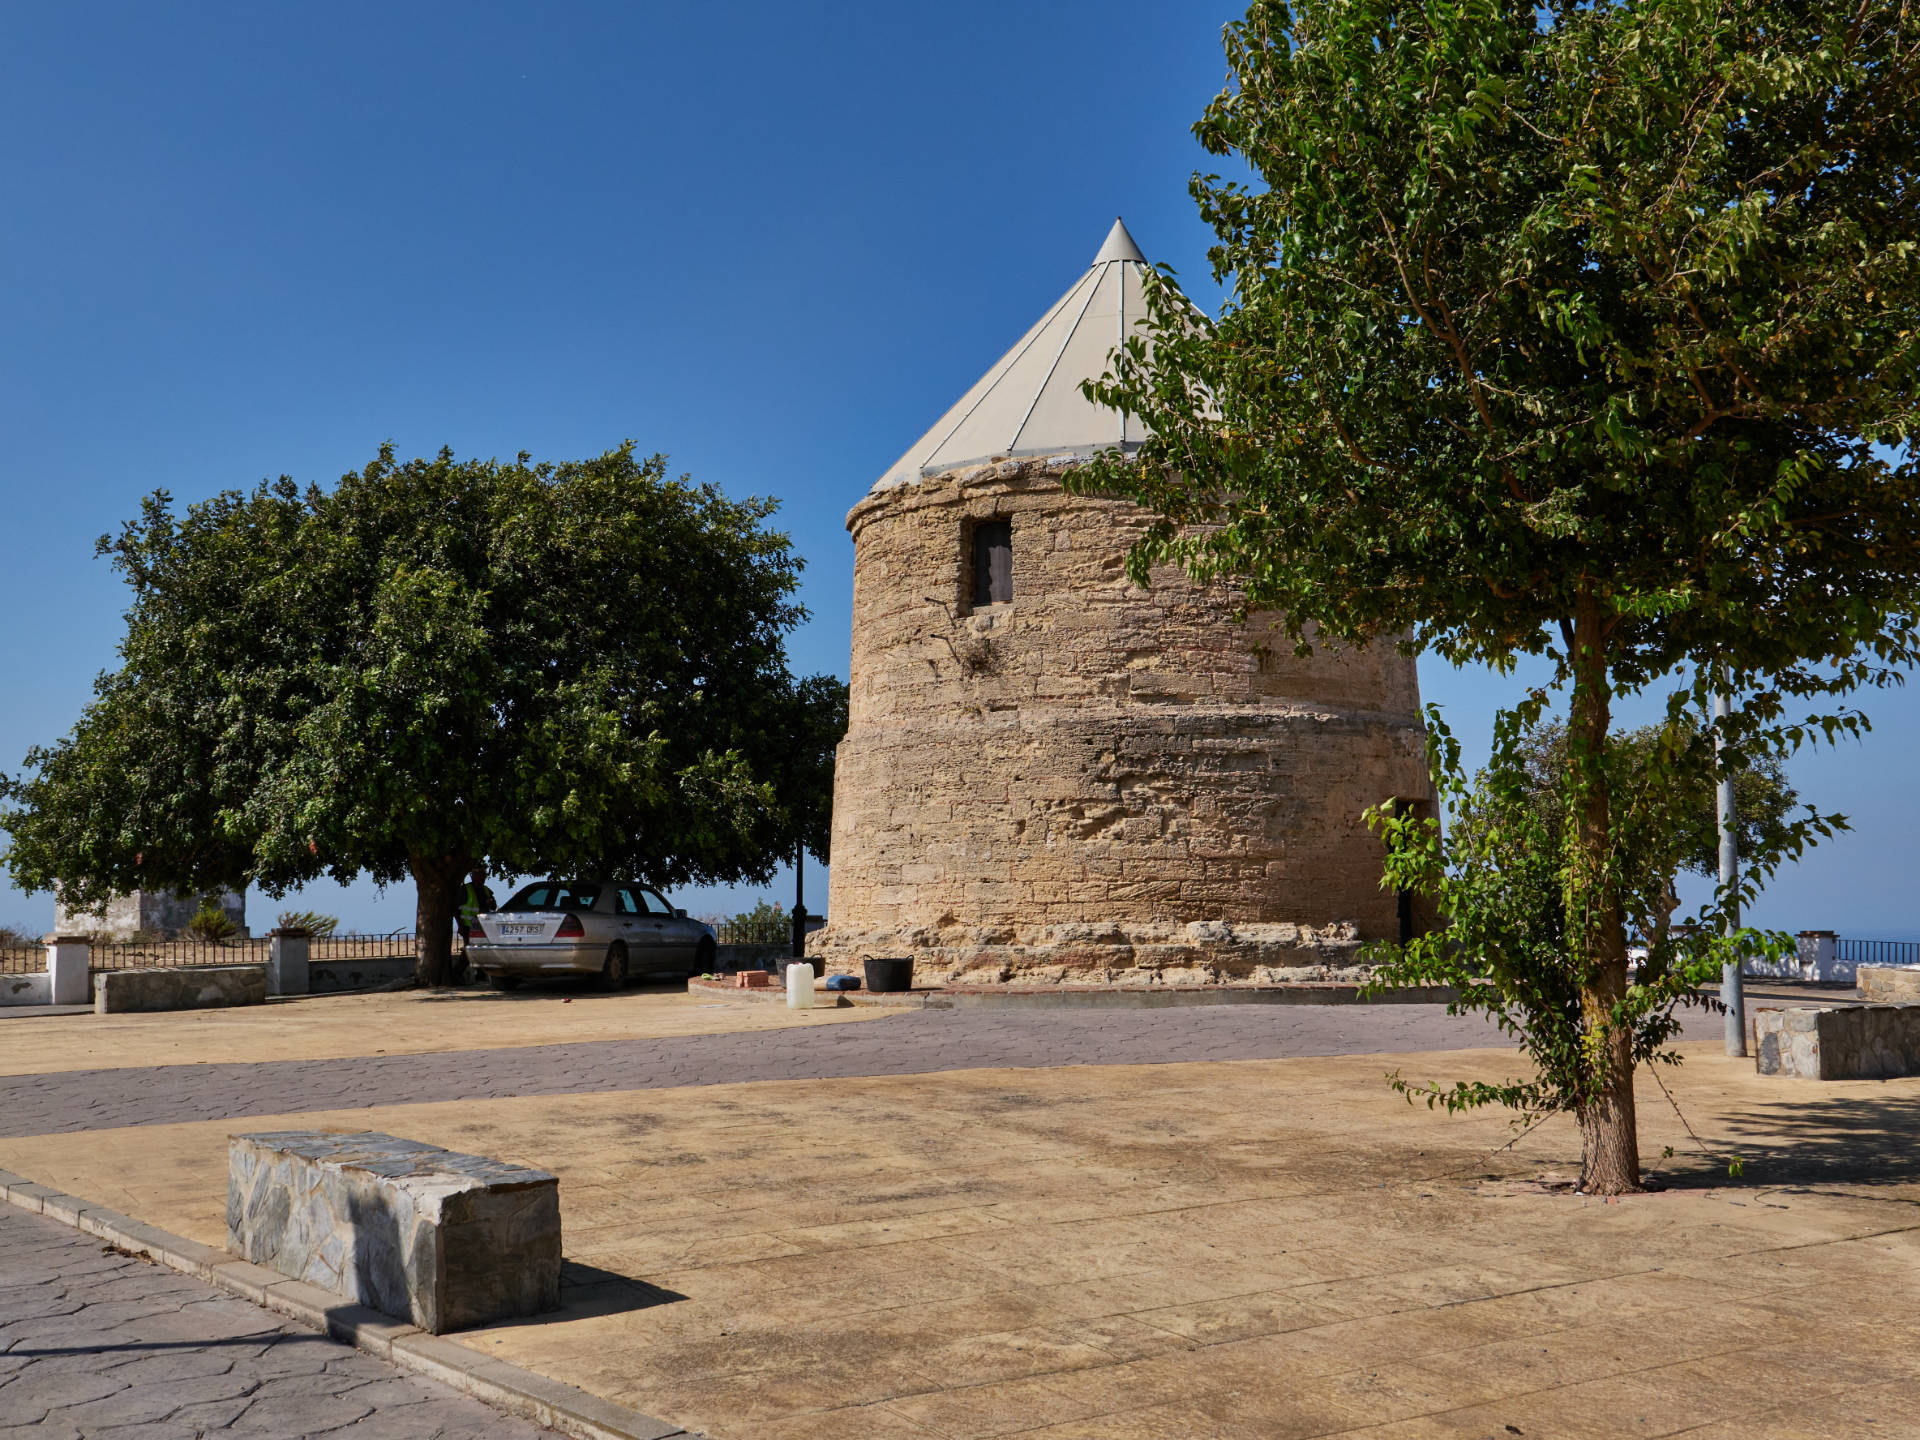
(152,912)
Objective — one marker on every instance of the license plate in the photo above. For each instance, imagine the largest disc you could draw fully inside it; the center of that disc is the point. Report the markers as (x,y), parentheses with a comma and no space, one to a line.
(512,928)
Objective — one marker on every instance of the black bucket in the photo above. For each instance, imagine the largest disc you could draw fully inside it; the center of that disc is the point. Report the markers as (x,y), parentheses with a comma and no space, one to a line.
(890,975)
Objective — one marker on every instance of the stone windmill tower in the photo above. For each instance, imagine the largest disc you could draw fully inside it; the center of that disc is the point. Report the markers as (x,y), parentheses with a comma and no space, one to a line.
(1053,775)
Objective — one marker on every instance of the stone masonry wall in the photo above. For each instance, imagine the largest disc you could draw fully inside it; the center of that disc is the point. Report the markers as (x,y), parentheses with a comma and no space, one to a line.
(1889,982)
(189,987)
(1094,781)
(1839,1042)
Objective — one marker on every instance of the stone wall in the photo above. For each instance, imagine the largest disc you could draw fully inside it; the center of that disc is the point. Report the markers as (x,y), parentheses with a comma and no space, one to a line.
(190,987)
(1889,982)
(1095,782)
(1845,1042)
(35,989)
(328,977)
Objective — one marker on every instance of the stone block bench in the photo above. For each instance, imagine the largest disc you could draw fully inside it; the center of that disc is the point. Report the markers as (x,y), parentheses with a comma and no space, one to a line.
(438,1238)
(191,987)
(1844,1042)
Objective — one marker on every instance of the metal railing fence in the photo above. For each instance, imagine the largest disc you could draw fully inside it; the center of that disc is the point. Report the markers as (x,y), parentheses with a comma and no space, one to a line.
(22,959)
(727,933)
(1877,952)
(173,954)
(394,945)
(191,950)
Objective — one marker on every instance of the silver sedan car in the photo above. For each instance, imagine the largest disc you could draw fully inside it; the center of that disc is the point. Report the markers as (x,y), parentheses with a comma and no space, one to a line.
(610,928)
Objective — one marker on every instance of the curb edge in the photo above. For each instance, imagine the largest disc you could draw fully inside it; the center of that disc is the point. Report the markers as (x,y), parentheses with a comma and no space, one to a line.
(530,1396)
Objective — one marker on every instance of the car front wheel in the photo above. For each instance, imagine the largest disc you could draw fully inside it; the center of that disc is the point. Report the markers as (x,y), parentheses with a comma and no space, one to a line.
(703,954)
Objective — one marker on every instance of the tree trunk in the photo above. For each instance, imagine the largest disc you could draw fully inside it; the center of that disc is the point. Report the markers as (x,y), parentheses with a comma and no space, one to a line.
(1609,1135)
(436,881)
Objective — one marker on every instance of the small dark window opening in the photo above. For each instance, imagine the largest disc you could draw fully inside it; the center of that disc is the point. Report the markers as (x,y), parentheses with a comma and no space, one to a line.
(992,562)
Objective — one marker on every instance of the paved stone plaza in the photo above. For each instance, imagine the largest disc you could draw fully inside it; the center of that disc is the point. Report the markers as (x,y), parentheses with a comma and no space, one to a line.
(1209,1224)
(98,1343)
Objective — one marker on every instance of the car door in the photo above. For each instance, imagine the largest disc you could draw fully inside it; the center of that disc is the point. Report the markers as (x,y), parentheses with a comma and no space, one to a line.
(635,926)
(676,936)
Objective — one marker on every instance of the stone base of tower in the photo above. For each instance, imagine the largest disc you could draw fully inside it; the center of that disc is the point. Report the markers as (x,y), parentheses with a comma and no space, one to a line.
(1198,953)
(1198,844)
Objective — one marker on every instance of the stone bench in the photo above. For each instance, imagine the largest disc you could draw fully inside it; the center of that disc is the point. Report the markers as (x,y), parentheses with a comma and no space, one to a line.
(438,1238)
(1841,1042)
(191,987)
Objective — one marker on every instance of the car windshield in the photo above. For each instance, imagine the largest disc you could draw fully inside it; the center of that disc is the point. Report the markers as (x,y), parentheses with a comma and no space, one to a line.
(553,895)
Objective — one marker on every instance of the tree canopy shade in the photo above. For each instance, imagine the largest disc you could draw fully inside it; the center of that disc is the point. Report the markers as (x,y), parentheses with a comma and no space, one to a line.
(438,664)
(1585,329)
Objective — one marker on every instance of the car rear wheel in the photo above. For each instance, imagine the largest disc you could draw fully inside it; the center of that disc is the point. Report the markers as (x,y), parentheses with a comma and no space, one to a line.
(703,954)
(503,982)
(613,974)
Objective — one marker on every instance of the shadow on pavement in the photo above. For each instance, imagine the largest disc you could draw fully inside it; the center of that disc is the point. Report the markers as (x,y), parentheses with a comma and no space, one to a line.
(572,987)
(587,1291)
(1832,1140)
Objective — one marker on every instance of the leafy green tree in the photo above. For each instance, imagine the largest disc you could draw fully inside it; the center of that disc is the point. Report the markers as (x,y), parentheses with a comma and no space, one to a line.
(1584,329)
(1671,802)
(1511,948)
(435,664)
(765,924)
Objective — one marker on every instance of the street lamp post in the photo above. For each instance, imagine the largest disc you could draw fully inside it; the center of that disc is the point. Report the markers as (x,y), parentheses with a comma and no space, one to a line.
(799,900)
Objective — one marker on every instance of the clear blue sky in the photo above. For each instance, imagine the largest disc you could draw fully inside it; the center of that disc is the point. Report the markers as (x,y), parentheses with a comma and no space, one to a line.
(774,241)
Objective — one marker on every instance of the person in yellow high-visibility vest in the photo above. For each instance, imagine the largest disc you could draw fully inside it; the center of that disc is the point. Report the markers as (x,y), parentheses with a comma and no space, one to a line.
(477,899)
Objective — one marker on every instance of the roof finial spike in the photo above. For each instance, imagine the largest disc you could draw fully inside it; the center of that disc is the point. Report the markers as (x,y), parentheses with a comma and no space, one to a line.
(1119,246)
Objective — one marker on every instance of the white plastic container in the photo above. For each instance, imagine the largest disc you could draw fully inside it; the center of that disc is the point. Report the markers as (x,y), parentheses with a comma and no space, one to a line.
(799,986)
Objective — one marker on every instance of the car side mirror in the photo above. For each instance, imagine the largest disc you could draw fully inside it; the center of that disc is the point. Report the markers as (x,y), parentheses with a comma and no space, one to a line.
(679,914)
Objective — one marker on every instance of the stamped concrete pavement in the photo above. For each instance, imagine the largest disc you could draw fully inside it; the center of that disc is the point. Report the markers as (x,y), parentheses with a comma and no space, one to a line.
(95,1342)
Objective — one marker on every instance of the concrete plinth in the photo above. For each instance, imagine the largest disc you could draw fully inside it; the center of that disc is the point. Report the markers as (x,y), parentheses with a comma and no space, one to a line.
(439,1238)
(67,963)
(287,964)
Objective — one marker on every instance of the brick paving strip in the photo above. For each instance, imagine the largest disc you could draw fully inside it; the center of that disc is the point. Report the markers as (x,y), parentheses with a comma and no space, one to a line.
(130,1340)
(911,1043)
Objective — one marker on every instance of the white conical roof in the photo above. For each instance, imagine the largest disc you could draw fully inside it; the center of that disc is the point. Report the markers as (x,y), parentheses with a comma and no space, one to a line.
(1030,402)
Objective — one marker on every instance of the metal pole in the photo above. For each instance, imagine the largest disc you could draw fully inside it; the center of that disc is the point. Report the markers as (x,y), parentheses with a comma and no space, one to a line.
(1732,987)
(799,901)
